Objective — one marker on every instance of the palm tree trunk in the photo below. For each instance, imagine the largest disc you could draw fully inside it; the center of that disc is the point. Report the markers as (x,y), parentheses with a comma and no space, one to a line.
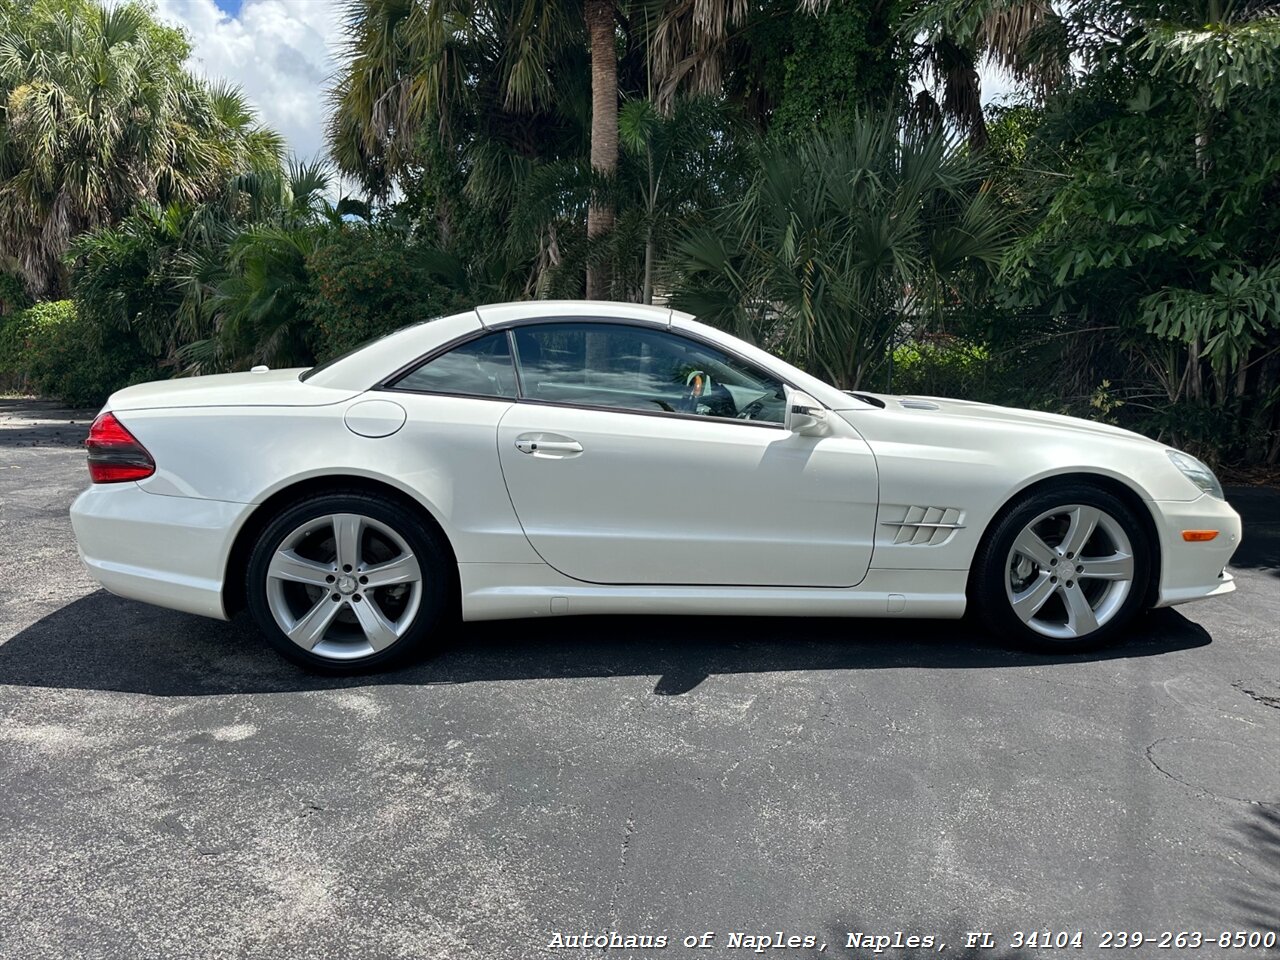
(651,203)
(604,126)
(647,296)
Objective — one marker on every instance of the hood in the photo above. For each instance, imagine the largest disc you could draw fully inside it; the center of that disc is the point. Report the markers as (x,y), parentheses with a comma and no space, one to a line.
(267,388)
(946,408)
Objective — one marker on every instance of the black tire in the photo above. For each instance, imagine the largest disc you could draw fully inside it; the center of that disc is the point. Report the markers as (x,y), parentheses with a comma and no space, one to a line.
(437,600)
(989,590)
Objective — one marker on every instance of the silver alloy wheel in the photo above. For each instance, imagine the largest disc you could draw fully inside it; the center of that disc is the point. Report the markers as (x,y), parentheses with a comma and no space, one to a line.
(1069,571)
(344,586)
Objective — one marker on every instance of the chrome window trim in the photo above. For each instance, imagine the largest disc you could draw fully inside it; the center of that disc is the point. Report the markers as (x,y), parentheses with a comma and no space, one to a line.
(388,383)
(668,414)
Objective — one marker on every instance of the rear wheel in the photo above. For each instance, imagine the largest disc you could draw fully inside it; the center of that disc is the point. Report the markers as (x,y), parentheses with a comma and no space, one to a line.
(347,581)
(1065,569)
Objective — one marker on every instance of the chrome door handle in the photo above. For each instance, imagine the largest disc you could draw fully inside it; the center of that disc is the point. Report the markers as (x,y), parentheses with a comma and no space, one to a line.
(548,446)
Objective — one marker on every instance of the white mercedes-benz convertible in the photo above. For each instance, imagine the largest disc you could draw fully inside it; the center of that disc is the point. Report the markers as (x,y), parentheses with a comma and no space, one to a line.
(541,459)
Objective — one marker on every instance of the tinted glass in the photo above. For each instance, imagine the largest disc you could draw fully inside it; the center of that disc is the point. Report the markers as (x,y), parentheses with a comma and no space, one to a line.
(632,368)
(479,368)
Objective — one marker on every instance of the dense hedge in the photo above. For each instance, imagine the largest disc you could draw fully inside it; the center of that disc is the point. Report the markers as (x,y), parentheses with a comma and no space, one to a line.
(49,349)
(353,286)
(366,284)
(13,294)
(946,368)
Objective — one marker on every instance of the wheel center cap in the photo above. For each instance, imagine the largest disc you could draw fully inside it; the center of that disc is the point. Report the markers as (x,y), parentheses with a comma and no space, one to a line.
(346,585)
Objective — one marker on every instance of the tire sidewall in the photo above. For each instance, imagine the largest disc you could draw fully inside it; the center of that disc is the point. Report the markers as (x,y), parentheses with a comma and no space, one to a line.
(437,578)
(989,587)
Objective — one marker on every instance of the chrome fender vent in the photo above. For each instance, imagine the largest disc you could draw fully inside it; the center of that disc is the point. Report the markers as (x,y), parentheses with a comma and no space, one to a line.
(921,525)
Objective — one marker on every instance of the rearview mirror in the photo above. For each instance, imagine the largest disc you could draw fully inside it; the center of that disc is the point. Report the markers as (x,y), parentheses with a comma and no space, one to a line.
(805,415)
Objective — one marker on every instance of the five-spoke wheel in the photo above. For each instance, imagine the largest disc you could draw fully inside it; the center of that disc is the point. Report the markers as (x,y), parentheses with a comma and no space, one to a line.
(1064,568)
(346,580)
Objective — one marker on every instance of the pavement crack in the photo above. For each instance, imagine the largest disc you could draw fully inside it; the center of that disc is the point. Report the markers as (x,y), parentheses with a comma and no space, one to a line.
(308,808)
(1265,692)
(1176,779)
(627,834)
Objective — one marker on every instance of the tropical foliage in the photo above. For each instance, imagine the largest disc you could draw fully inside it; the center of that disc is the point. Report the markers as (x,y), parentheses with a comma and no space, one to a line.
(99,113)
(840,242)
(1155,241)
(209,286)
(50,349)
(822,177)
(369,282)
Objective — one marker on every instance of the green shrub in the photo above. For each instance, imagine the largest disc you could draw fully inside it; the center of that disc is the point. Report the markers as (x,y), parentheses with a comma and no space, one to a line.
(368,283)
(12,377)
(13,303)
(941,368)
(50,350)
(13,295)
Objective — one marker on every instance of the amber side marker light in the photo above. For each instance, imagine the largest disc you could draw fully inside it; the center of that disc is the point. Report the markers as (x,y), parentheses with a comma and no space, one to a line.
(1198,536)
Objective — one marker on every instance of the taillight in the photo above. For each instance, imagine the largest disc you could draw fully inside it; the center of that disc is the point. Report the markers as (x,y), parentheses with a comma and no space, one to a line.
(115,454)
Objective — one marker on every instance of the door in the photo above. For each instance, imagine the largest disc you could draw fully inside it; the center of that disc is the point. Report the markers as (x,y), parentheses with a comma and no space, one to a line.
(641,456)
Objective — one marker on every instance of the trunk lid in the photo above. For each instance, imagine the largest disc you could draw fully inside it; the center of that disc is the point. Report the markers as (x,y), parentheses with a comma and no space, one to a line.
(268,388)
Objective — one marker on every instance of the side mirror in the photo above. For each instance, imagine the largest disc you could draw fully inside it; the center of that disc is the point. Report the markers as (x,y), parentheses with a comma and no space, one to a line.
(805,415)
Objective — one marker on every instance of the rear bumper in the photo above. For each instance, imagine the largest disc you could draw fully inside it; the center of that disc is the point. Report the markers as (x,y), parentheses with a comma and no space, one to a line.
(169,551)
(1193,571)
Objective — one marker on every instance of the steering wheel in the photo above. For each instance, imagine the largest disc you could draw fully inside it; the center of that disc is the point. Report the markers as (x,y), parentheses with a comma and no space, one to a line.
(751,410)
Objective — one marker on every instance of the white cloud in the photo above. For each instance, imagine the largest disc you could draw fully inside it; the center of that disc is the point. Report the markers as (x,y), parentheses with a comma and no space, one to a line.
(283,53)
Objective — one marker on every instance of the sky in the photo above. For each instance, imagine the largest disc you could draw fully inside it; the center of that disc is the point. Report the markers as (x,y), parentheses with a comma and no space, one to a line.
(283,53)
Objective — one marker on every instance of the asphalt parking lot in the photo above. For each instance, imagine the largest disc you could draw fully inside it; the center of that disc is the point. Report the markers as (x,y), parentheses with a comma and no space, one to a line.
(170,788)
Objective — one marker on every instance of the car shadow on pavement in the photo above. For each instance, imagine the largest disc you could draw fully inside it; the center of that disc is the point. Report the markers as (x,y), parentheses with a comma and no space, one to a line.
(1259,508)
(101,642)
(1256,893)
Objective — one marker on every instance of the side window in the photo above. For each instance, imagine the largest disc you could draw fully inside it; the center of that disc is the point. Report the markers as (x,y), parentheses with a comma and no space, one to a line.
(635,368)
(478,368)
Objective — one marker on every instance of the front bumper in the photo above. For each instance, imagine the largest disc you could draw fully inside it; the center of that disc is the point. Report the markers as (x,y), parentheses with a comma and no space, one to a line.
(169,551)
(1193,571)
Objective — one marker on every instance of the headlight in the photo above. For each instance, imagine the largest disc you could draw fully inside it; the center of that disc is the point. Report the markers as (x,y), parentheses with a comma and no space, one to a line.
(1197,473)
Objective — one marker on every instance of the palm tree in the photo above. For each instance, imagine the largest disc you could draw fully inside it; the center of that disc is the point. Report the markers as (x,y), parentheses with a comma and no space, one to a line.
(99,114)
(683,49)
(681,162)
(449,68)
(841,239)
(415,65)
(214,284)
(457,102)
(255,296)
(685,42)
(1026,38)
(602,35)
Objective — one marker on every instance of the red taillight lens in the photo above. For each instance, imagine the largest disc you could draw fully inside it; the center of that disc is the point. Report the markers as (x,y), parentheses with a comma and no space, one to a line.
(115,454)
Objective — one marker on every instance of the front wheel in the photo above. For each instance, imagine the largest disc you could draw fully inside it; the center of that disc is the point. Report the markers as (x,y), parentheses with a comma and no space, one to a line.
(346,581)
(1065,569)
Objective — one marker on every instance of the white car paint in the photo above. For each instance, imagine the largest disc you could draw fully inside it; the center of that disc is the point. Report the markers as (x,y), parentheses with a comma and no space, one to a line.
(880,515)
(705,502)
